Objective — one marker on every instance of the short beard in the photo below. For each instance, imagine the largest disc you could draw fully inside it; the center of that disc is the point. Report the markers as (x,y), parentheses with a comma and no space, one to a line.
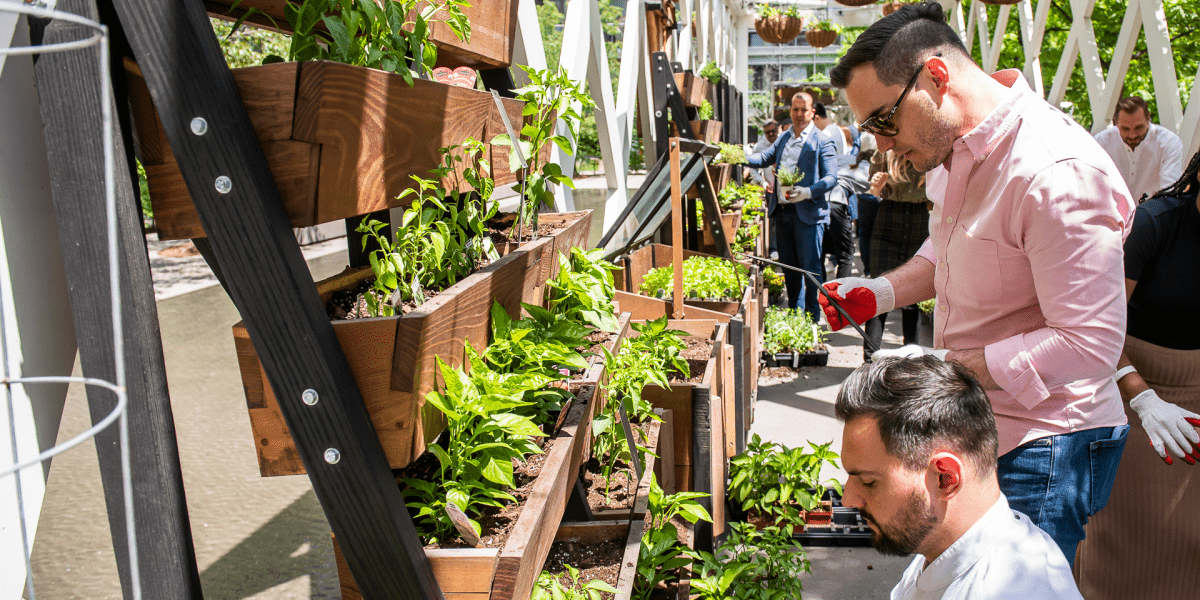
(936,140)
(911,528)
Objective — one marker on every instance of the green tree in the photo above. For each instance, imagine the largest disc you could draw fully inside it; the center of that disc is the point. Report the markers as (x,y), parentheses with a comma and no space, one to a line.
(1183,24)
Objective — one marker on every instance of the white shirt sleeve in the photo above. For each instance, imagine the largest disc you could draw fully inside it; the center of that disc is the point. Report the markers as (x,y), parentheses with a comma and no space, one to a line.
(1171,154)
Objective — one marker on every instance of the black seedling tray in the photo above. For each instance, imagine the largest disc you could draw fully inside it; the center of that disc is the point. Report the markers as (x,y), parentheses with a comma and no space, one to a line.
(816,358)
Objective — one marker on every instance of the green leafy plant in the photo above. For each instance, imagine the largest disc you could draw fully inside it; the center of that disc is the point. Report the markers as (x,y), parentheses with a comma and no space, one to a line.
(731,154)
(927,306)
(752,565)
(703,277)
(705,112)
(824,25)
(745,238)
(549,97)
(583,290)
(790,330)
(661,554)
(484,436)
(711,72)
(549,587)
(771,10)
(773,482)
(773,280)
(786,176)
(367,33)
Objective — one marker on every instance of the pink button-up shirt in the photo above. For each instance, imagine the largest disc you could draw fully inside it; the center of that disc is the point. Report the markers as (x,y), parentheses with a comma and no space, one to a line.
(1026,236)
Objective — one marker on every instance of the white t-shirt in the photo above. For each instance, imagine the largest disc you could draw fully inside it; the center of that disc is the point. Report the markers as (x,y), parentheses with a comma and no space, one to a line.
(1003,556)
(1156,163)
(832,130)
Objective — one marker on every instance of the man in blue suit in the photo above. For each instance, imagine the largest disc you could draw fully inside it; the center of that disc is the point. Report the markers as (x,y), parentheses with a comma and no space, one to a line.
(802,216)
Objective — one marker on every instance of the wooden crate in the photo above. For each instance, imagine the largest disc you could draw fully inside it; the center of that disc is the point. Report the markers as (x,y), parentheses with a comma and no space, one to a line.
(508,573)
(715,394)
(636,264)
(694,90)
(707,131)
(493,27)
(730,221)
(340,141)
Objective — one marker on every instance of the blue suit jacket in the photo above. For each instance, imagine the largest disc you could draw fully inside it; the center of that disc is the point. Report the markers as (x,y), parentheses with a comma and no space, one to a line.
(818,162)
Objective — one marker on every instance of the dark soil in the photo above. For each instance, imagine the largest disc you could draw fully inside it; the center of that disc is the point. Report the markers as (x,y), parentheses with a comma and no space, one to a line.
(499,228)
(595,561)
(697,353)
(599,339)
(352,303)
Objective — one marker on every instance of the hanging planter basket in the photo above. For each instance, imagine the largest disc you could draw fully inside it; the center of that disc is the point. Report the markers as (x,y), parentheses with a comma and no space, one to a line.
(778,29)
(1001,2)
(820,38)
(855,2)
(892,7)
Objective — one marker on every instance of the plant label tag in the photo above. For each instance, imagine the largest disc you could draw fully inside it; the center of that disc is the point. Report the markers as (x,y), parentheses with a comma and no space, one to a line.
(463,524)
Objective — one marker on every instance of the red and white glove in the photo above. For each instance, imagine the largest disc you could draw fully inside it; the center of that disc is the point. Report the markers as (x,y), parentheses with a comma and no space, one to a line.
(911,351)
(861,298)
(1169,427)
(797,194)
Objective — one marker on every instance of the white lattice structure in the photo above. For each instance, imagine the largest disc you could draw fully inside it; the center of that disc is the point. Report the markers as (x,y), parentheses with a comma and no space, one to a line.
(1103,89)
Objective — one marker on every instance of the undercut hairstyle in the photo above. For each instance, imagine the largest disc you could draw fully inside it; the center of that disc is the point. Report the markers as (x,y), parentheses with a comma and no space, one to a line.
(898,43)
(1131,104)
(819,110)
(920,405)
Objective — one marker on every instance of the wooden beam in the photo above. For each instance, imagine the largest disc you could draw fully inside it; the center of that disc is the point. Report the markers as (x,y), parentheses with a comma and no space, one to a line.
(676,230)
(69,85)
(228,178)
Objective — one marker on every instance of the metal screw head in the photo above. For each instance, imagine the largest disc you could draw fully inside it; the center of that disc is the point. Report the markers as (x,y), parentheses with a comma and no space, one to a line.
(223,184)
(309,397)
(658,113)
(199,126)
(332,456)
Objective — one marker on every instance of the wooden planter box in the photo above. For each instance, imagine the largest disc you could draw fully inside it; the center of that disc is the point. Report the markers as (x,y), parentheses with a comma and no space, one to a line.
(779,29)
(708,132)
(394,358)
(636,264)
(596,371)
(633,527)
(694,90)
(493,25)
(340,141)
(573,231)
(508,573)
(731,221)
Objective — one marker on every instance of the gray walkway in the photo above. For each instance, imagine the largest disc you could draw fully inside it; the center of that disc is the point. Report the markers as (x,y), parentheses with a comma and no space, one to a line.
(266,538)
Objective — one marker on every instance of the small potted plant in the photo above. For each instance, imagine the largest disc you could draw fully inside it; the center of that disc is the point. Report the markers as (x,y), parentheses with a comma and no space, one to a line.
(785,179)
(704,127)
(711,72)
(821,34)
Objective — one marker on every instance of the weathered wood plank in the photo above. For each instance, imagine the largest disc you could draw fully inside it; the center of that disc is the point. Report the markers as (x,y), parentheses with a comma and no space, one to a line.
(646,308)
(461,572)
(629,560)
(591,532)
(664,467)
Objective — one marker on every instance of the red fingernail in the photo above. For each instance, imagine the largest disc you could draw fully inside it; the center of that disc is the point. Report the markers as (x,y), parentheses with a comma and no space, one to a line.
(1187,458)
(1167,459)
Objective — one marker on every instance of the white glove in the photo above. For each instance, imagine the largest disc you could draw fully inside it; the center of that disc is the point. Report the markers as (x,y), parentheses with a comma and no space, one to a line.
(797,194)
(1169,427)
(861,298)
(911,351)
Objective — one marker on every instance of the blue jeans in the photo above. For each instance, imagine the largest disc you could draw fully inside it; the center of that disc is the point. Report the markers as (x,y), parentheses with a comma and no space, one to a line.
(1061,480)
(800,246)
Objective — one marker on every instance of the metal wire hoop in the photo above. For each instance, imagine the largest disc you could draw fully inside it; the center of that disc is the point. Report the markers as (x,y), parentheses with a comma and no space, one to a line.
(100,39)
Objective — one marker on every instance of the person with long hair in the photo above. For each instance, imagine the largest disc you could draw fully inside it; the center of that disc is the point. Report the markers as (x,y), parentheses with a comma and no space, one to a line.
(900,226)
(1152,528)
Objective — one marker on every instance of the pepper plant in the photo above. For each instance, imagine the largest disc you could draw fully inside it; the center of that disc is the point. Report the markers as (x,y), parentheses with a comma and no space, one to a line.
(774,482)
(550,96)
(752,565)
(369,33)
(485,435)
(548,587)
(583,290)
(661,554)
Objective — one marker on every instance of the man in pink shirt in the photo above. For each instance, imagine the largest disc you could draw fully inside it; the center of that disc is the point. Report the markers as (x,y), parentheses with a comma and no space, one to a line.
(1024,257)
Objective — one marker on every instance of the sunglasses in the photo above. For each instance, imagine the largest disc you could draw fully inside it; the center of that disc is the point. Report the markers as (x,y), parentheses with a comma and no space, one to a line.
(883,125)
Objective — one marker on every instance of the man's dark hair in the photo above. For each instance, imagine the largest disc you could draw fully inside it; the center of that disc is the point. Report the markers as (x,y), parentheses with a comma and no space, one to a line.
(920,403)
(819,110)
(1131,104)
(787,121)
(898,43)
